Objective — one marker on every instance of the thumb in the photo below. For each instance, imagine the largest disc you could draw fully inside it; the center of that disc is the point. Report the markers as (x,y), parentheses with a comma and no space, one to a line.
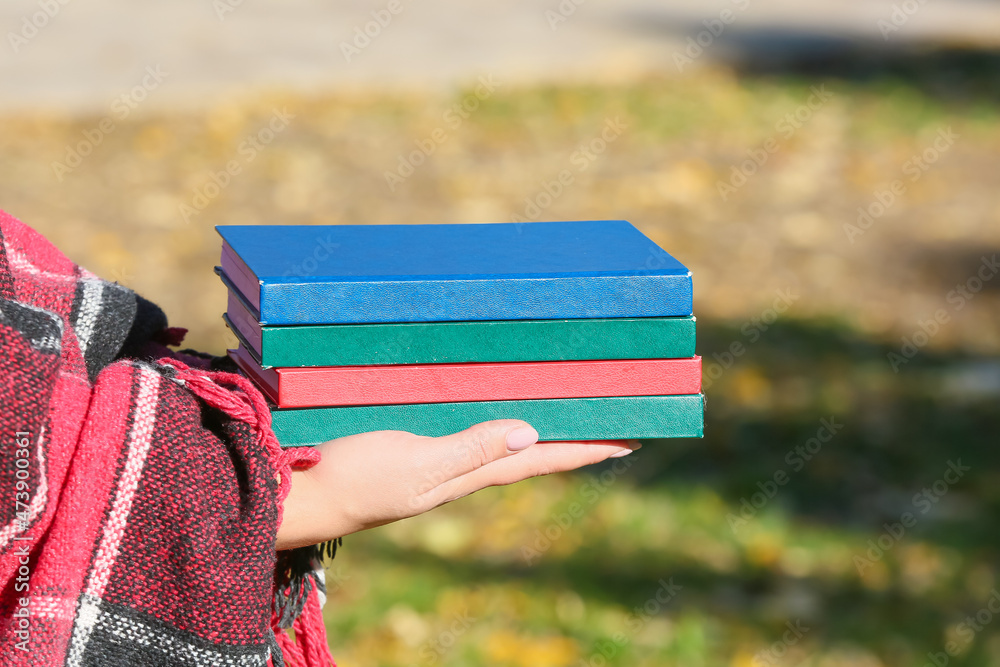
(483,443)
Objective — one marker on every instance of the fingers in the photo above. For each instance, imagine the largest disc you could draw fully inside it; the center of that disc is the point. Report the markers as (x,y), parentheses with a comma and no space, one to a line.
(626,446)
(484,443)
(540,459)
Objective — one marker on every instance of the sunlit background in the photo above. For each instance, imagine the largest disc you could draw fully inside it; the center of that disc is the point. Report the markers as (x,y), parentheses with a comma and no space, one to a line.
(840,159)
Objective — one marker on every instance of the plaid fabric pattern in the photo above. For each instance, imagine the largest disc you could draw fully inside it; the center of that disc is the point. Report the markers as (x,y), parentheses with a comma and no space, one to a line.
(137,522)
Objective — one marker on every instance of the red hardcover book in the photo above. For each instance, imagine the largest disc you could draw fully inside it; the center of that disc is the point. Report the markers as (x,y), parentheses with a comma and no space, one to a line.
(450,383)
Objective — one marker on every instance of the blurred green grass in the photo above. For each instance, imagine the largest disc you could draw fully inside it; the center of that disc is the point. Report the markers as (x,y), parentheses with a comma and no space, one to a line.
(669,517)
(456,587)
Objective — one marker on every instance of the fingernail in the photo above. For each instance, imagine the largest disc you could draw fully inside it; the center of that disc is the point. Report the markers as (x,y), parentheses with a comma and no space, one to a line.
(521,438)
(633,445)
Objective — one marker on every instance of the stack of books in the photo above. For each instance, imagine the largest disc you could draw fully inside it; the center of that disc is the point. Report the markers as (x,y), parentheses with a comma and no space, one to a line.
(582,329)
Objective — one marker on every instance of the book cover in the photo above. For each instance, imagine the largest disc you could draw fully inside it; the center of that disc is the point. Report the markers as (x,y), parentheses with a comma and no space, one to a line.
(555,419)
(345,274)
(461,342)
(449,383)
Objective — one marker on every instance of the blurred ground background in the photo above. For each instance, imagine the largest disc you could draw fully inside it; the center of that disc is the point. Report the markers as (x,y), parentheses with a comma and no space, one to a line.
(670,562)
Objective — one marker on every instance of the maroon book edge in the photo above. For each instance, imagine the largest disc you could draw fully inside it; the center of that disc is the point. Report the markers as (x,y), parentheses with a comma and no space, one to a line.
(240,276)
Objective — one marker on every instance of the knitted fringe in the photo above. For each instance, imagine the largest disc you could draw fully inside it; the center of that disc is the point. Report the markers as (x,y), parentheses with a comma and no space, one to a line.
(300,591)
(310,648)
(242,401)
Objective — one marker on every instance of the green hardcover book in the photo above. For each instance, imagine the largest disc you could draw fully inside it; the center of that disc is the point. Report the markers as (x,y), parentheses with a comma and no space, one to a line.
(616,418)
(462,342)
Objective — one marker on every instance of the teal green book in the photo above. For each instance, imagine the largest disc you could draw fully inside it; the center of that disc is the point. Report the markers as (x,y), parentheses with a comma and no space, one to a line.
(621,417)
(462,342)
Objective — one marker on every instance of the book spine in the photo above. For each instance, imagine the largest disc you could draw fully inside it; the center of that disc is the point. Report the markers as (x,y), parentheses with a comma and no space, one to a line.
(556,419)
(447,383)
(471,342)
(267,379)
(245,326)
(573,297)
(240,275)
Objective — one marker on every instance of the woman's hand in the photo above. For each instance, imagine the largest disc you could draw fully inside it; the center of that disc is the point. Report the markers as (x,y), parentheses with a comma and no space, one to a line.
(372,479)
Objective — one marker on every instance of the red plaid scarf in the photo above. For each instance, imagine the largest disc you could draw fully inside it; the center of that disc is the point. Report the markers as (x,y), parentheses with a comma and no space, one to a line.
(139,499)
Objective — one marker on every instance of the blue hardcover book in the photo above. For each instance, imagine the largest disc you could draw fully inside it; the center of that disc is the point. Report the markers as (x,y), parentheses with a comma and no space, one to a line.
(436,273)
